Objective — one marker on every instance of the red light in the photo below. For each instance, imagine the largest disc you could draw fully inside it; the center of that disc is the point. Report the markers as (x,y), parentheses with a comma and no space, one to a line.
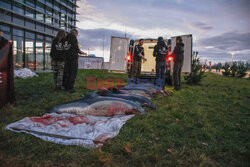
(170,58)
(129,57)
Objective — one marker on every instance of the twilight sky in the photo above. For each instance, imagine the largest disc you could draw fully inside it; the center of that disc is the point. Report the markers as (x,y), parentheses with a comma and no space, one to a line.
(220,28)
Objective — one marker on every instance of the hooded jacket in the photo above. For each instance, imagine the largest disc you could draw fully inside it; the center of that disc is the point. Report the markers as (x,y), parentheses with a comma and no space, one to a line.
(160,51)
(178,53)
(57,52)
(71,47)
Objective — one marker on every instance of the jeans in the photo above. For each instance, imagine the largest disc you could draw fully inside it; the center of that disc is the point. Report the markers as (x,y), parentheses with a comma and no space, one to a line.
(58,70)
(160,73)
(177,75)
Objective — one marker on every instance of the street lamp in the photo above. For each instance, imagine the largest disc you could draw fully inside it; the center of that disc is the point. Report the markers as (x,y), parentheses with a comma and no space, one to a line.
(88,50)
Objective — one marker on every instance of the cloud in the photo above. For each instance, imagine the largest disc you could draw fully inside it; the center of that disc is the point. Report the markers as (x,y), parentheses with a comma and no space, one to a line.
(201,26)
(208,21)
(94,38)
(230,41)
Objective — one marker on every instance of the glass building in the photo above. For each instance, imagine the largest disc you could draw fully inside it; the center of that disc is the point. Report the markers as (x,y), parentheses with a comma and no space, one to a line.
(31,25)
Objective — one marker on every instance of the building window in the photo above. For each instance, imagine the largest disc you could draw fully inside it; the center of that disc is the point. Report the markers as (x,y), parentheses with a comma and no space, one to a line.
(5,16)
(48,39)
(47,55)
(64,2)
(71,6)
(39,37)
(30,61)
(56,23)
(49,10)
(18,51)
(20,1)
(18,8)
(4,28)
(30,13)
(18,20)
(7,36)
(63,16)
(6,31)
(63,10)
(55,32)
(62,25)
(48,19)
(43,1)
(30,24)
(49,3)
(29,35)
(48,30)
(56,14)
(5,4)
(57,6)
(40,17)
(39,55)
(40,27)
(70,14)
(30,2)
(40,7)
(18,32)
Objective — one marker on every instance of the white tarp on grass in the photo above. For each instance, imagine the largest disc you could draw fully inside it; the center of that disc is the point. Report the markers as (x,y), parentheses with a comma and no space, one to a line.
(24,73)
(70,129)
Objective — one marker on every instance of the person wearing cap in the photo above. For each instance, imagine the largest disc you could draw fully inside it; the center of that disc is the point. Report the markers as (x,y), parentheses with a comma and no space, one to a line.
(160,53)
(178,54)
(138,56)
(71,62)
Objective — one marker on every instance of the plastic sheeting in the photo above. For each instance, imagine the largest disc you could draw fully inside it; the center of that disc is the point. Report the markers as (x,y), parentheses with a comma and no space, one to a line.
(88,122)
(24,73)
(69,129)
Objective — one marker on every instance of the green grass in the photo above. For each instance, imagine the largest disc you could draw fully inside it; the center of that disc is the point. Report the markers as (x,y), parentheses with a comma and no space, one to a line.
(203,125)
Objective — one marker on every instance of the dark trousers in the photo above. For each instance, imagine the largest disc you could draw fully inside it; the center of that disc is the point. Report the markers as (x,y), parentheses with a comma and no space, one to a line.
(177,75)
(70,73)
(160,73)
(136,69)
(58,71)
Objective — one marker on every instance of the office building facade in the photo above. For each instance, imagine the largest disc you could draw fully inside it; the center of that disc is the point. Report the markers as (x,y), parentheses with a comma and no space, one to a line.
(31,26)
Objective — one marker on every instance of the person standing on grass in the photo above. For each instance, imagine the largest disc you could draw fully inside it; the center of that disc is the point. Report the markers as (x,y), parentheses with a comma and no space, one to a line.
(57,55)
(71,62)
(178,54)
(138,55)
(160,53)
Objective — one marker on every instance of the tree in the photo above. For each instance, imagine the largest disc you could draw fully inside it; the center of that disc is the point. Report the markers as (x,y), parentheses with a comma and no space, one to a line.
(238,69)
(196,71)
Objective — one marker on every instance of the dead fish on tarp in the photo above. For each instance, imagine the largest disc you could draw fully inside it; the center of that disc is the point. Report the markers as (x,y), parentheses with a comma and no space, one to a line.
(95,105)
(141,100)
(150,88)
(140,92)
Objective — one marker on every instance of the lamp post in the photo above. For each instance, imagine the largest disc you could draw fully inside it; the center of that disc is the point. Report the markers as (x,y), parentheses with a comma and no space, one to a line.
(232,53)
(88,50)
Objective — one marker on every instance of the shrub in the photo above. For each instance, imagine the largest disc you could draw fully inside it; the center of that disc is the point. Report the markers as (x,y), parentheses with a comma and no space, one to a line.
(242,69)
(238,69)
(226,67)
(196,71)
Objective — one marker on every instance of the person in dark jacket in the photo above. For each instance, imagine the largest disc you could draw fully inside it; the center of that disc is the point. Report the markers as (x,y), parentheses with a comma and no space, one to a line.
(160,53)
(57,55)
(7,88)
(138,56)
(71,63)
(178,54)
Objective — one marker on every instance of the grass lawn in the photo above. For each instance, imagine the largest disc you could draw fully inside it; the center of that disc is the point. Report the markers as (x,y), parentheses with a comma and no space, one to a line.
(203,125)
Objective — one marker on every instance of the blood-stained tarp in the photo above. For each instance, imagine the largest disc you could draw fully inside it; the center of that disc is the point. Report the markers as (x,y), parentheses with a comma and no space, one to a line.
(69,129)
